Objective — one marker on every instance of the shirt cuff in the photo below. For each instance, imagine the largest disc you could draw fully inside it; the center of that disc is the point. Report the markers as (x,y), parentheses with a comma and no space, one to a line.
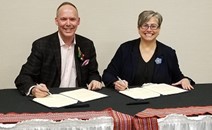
(29,91)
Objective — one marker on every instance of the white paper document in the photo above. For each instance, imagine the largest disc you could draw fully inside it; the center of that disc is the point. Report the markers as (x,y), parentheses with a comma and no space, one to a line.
(164,89)
(55,101)
(69,97)
(83,95)
(140,93)
(151,90)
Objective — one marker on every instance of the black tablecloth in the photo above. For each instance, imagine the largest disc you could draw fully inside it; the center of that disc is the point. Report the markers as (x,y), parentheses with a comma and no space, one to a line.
(12,101)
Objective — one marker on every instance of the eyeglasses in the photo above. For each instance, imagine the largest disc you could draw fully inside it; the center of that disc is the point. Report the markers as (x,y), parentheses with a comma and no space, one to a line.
(152,26)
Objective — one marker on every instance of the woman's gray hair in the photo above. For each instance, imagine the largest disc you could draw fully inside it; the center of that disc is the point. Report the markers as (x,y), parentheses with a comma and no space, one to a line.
(146,15)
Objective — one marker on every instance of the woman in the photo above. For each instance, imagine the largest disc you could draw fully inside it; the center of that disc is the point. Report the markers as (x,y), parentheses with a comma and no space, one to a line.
(145,60)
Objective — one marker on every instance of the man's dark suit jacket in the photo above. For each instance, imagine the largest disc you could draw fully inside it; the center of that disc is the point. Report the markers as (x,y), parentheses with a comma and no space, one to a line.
(44,63)
(125,62)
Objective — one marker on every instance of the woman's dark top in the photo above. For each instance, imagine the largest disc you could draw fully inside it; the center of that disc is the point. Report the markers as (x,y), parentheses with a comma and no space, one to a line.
(145,70)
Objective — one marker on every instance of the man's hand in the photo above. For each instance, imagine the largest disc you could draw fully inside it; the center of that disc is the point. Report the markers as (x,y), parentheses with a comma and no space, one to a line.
(94,85)
(40,90)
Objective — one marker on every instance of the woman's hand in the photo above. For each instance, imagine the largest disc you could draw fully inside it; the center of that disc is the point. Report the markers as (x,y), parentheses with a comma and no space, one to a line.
(121,85)
(185,83)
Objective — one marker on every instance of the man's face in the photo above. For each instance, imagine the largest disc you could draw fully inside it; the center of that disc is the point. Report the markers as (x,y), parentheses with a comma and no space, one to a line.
(67,20)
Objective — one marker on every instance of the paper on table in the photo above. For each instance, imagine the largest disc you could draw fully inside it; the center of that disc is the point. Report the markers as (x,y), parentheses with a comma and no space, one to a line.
(140,93)
(55,101)
(151,90)
(164,89)
(83,94)
(68,98)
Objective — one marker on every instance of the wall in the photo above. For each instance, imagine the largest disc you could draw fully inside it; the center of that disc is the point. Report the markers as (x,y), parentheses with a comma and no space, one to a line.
(187,28)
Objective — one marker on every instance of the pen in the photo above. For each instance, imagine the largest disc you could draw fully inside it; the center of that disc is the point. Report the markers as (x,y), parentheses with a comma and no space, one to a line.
(122,81)
(49,93)
(138,103)
(77,106)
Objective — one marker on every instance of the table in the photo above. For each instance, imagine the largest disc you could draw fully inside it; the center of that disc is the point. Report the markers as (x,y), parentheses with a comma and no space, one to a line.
(12,101)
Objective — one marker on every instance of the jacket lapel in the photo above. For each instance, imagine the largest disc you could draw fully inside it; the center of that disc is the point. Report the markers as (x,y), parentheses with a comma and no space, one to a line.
(55,45)
(135,54)
(158,61)
(77,63)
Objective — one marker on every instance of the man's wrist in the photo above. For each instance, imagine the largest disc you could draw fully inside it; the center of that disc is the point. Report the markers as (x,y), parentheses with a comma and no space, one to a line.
(29,93)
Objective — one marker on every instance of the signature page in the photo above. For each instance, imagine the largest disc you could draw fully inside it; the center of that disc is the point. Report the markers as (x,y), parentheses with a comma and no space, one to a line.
(83,94)
(164,89)
(55,101)
(139,93)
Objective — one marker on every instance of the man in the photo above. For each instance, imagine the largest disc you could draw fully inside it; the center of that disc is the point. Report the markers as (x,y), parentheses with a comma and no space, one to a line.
(62,59)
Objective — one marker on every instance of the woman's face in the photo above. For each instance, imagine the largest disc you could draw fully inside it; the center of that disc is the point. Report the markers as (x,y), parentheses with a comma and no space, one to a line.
(149,30)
